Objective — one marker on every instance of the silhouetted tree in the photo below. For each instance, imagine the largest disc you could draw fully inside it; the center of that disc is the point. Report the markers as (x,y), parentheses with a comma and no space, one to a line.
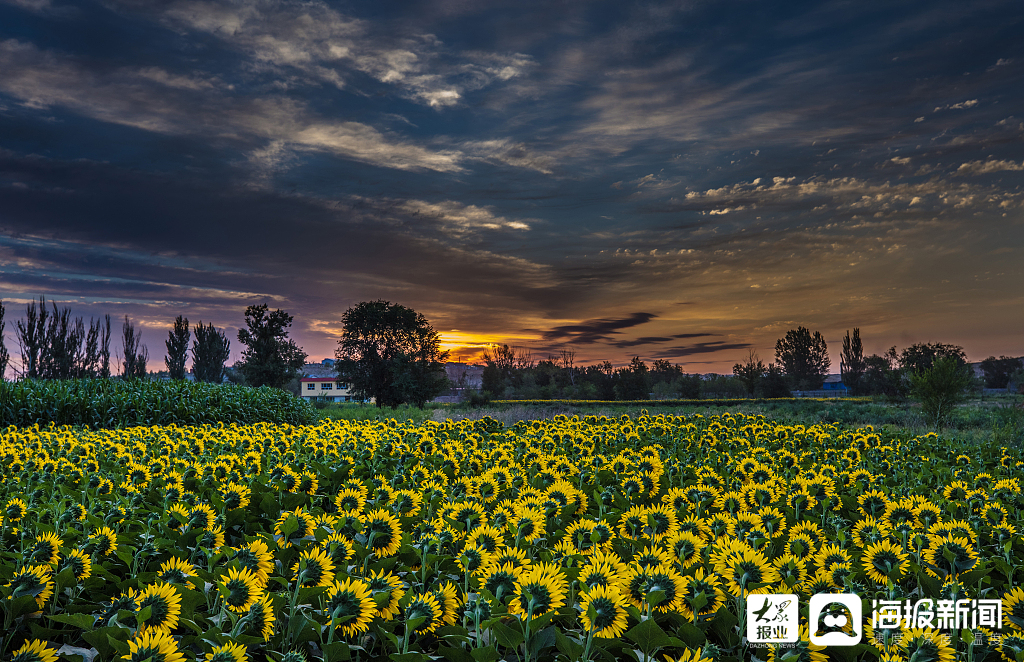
(32,338)
(773,383)
(997,371)
(270,358)
(390,353)
(5,357)
(751,372)
(210,351)
(177,348)
(851,362)
(921,356)
(882,375)
(804,357)
(135,353)
(633,381)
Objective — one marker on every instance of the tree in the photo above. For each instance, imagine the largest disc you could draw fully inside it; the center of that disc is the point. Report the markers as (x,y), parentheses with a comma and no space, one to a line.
(5,357)
(851,362)
(135,353)
(997,371)
(920,357)
(804,357)
(751,372)
(882,375)
(270,358)
(210,351)
(177,348)
(941,387)
(773,383)
(633,381)
(390,353)
(32,338)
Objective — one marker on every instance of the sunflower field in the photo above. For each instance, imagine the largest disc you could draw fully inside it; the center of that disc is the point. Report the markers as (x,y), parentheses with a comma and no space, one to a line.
(583,538)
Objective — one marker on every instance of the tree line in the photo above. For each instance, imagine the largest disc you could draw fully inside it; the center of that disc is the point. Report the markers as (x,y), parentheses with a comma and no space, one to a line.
(54,344)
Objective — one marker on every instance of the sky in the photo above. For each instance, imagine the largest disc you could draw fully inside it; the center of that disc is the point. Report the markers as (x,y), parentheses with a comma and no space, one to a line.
(670,180)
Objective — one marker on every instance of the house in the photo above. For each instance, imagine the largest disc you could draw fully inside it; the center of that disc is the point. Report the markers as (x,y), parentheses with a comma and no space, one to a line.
(326,387)
(834,385)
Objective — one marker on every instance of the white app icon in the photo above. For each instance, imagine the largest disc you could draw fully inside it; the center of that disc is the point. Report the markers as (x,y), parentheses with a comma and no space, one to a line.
(773,618)
(835,619)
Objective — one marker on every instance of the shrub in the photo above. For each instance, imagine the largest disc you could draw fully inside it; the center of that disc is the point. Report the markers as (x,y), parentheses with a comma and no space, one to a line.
(115,403)
(941,388)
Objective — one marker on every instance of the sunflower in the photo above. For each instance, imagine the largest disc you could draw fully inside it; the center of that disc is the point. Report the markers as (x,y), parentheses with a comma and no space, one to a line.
(472,559)
(15,510)
(229,652)
(350,500)
(603,612)
(339,548)
(742,567)
(500,580)
(307,483)
(1013,606)
(407,503)
(255,556)
(964,557)
(1010,646)
(176,571)
(599,574)
(448,597)
(930,645)
(235,495)
(36,580)
(801,545)
(105,541)
(527,524)
(545,584)
(708,584)
(384,534)
(35,651)
(687,549)
(304,525)
(79,562)
(314,568)
(211,539)
(653,557)
(260,619)
(426,607)
(153,645)
(869,531)
(240,589)
(829,554)
(202,517)
(45,549)
(390,586)
(350,605)
(792,571)
(466,515)
(884,562)
(165,608)
(486,537)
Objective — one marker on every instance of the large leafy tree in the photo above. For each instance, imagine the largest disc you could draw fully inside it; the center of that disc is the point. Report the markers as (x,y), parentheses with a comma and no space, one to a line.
(920,357)
(210,350)
(941,387)
(270,357)
(997,371)
(177,348)
(390,353)
(804,357)
(135,353)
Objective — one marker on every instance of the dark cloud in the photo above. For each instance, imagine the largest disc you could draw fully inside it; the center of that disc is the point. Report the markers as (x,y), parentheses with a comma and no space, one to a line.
(595,330)
(698,348)
(652,340)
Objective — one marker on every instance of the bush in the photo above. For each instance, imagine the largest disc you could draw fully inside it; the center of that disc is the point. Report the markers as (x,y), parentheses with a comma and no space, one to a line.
(115,403)
(941,388)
